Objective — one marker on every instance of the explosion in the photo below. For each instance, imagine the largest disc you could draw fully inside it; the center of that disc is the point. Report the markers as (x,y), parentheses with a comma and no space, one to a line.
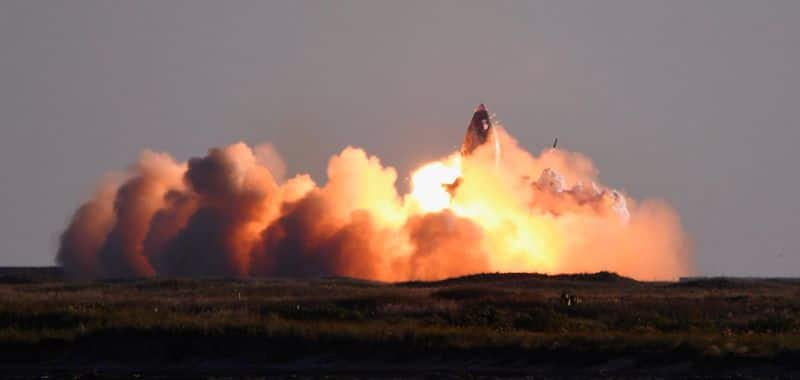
(429,189)
(230,213)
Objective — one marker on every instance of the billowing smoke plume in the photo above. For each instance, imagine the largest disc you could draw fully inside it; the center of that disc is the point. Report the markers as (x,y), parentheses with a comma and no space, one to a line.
(231,213)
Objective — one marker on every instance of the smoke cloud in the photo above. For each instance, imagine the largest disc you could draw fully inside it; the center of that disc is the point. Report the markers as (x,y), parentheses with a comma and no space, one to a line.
(233,213)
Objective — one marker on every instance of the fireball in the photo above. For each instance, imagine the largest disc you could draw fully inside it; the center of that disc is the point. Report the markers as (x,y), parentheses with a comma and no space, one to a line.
(231,213)
(429,184)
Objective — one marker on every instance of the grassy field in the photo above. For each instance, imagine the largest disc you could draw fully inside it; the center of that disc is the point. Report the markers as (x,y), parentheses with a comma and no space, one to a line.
(513,324)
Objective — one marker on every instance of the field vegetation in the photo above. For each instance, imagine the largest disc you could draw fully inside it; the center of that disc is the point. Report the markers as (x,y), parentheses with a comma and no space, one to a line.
(510,321)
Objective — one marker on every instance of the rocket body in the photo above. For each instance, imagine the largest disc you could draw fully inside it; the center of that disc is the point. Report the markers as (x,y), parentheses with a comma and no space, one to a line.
(478,131)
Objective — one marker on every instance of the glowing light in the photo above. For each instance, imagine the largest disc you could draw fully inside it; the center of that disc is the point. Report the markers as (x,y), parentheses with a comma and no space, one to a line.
(429,183)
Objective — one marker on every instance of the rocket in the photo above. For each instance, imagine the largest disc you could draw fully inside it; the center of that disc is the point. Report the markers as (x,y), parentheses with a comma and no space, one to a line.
(478,131)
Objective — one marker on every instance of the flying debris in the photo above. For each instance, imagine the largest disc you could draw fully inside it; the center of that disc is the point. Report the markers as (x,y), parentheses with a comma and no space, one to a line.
(451,187)
(478,131)
(555,143)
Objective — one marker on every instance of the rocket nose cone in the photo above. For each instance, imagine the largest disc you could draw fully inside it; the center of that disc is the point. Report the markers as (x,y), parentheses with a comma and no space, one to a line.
(480,107)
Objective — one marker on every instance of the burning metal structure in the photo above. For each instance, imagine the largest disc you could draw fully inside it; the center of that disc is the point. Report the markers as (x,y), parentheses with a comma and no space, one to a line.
(478,131)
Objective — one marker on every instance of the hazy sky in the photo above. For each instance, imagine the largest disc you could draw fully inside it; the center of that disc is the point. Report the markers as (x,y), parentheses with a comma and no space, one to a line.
(696,102)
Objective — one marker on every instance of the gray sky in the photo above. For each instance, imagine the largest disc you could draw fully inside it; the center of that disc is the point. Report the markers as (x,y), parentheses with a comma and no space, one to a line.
(696,102)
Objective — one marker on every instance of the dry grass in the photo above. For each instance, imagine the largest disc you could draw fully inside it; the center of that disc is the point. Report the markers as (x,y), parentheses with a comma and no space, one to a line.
(513,318)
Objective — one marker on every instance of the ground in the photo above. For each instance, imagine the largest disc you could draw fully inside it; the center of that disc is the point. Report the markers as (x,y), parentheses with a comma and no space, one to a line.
(480,326)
